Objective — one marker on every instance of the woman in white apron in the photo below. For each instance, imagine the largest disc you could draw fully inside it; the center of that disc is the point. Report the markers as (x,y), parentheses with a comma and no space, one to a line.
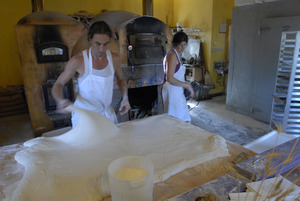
(173,89)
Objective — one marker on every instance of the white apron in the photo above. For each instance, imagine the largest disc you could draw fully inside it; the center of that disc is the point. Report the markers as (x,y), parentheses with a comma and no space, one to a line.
(173,96)
(95,92)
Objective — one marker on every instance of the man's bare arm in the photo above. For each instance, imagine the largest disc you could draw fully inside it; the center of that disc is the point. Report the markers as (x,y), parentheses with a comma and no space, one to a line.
(71,68)
(125,106)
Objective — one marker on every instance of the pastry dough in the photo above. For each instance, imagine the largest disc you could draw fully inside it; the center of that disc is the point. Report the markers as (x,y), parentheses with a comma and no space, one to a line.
(69,167)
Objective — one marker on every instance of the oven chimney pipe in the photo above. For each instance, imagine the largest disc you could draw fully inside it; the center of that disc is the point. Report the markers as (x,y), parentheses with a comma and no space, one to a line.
(37,5)
(148,7)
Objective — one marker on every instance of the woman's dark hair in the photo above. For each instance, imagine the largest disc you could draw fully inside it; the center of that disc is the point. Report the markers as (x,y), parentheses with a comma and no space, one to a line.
(99,27)
(178,38)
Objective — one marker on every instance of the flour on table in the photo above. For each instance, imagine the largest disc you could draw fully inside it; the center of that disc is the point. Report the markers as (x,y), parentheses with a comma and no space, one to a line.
(69,167)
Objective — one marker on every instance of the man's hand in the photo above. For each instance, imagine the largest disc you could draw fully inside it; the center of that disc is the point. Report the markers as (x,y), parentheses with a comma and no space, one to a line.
(61,105)
(124,106)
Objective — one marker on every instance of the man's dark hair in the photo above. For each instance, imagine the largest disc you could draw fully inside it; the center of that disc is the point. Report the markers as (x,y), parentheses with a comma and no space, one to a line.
(99,27)
(178,38)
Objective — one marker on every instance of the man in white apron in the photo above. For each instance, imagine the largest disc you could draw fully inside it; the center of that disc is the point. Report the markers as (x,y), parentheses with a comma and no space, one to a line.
(96,68)
(173,89)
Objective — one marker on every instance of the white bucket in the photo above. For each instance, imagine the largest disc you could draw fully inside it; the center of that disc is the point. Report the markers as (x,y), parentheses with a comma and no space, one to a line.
(130,188)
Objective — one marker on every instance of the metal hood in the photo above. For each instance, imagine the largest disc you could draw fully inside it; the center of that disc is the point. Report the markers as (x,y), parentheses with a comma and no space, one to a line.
(148,7)
(37,5)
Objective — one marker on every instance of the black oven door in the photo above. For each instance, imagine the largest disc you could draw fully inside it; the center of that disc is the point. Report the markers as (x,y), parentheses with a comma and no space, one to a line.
(146,55)
(147,48)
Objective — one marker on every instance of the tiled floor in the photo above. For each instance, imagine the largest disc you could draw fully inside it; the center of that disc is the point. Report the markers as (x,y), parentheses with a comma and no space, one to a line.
(210,115)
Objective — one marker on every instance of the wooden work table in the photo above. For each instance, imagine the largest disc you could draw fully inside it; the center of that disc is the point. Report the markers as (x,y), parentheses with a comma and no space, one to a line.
(198,175)
(11,171)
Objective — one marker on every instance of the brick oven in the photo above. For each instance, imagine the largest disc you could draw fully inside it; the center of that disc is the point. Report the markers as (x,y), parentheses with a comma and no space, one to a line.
(45,40)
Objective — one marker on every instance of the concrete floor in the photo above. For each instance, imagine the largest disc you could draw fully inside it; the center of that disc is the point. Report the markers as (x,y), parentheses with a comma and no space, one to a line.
(15,129)
(210,115)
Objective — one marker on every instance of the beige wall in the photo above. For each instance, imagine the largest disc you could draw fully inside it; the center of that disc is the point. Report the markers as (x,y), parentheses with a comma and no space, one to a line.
(205,15)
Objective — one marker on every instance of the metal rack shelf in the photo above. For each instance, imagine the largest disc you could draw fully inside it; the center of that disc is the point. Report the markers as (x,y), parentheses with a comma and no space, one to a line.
(286,97)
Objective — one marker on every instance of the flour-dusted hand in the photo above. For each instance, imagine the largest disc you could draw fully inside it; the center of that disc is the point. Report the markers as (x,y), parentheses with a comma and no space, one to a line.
(124,106)
(61,105)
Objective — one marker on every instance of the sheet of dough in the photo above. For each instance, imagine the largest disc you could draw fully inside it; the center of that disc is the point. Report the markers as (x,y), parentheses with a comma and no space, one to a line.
(73,166)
